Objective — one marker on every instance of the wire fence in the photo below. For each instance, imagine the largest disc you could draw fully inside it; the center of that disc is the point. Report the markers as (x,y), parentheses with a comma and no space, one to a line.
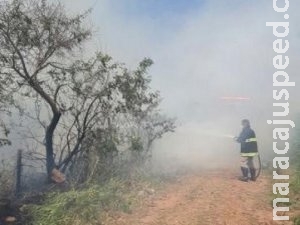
(33,172)
(24,172)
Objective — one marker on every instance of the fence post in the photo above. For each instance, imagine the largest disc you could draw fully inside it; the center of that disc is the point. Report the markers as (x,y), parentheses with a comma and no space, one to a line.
(18,174)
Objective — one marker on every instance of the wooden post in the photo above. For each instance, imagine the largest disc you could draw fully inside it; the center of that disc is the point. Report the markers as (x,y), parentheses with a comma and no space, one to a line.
(18,174)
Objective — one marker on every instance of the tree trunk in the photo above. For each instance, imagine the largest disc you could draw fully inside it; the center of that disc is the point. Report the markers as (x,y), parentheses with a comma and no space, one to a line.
(50,161)
(18,187)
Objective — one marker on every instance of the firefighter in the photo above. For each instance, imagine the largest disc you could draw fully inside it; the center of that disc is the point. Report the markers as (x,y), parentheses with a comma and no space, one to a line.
(249,150)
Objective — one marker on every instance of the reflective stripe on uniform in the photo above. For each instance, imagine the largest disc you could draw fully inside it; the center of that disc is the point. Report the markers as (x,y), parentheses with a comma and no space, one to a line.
(250,154)
(250,140)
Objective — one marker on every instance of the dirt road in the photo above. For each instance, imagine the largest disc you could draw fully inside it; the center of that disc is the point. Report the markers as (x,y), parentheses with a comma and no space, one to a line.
(215,198)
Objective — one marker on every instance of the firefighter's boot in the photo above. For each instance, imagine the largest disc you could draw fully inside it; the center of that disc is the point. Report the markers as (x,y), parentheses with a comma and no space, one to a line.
(245,174)
(253,174)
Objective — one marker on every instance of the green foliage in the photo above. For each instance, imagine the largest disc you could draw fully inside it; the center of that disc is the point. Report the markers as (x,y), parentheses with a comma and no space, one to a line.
(114,111)
(297,221)
(78,207)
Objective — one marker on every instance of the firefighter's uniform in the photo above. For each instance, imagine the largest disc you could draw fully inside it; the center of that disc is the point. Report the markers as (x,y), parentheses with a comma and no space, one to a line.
(249,150)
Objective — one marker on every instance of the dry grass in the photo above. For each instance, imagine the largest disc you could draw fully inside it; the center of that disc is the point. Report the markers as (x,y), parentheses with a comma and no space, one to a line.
(87,206)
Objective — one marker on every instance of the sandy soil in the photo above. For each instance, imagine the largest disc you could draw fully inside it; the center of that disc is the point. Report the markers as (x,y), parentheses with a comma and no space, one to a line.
(215,198)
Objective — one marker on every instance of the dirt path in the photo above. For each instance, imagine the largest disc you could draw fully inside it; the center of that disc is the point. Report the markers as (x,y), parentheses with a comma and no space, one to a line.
(216,198)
